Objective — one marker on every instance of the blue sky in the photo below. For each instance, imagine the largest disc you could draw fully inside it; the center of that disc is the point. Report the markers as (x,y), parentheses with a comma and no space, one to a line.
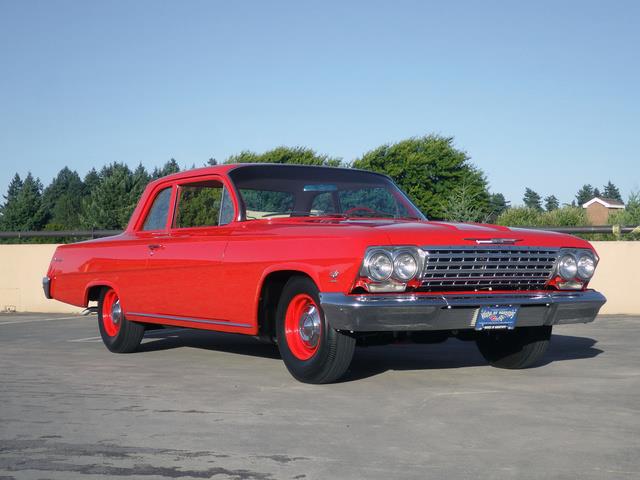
(541,94)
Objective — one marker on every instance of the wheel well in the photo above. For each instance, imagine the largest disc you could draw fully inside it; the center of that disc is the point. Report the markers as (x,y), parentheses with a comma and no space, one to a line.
(268,304)
(93,294)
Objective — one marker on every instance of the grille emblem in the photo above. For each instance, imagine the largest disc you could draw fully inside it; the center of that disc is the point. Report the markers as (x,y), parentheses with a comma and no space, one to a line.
(495,241)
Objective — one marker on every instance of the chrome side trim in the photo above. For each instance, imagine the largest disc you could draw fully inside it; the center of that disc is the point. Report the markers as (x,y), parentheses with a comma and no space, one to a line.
(189,319)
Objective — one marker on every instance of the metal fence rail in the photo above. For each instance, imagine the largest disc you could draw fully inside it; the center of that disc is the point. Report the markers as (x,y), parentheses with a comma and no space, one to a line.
(606,229)
(61,234)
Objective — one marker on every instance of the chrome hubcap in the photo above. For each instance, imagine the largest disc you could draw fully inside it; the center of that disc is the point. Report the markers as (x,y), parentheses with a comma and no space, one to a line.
(310,326)
(116,313)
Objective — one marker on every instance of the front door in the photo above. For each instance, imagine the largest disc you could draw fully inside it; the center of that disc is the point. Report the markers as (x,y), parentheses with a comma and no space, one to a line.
(186,262)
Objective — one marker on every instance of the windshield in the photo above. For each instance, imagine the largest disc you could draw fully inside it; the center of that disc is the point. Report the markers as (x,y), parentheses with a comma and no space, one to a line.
(300,191)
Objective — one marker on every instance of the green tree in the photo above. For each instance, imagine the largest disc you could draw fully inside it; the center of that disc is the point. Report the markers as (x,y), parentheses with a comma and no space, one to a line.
(532,199)
(497,205)
(428,169)
(111,202)
(463,205)
(630,216)
(140,178)
(23,209)
(167,169)
(611,191)
(91,181)
(12,192)
(585,194)
(62,199)
(551,203)
(292,155)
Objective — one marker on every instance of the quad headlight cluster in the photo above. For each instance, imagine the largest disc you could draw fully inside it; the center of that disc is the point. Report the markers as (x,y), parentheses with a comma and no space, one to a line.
(384,264)
(576,266)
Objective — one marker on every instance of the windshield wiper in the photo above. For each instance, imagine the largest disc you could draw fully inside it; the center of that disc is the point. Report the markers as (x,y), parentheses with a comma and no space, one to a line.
(306,214)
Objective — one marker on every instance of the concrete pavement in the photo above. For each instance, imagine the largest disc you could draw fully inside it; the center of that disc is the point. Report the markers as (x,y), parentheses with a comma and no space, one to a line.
(207,405)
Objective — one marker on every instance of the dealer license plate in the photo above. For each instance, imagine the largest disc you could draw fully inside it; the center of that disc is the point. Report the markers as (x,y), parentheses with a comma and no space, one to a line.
(497,318)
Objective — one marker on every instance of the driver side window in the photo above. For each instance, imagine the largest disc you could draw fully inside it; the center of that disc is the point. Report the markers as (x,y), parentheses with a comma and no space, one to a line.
(203,204)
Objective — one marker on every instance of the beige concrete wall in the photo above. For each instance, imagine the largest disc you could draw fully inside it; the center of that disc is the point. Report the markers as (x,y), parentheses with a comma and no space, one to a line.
(618,277)
(21,270)
(23,266)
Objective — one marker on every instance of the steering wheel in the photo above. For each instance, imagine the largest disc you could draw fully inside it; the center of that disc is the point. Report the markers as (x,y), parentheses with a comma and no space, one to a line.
(360,208)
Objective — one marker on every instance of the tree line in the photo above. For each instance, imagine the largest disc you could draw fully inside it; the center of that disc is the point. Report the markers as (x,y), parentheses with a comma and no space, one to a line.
(438,177)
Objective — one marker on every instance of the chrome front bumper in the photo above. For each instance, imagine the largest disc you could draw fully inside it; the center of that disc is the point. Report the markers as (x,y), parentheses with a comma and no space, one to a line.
(371,313)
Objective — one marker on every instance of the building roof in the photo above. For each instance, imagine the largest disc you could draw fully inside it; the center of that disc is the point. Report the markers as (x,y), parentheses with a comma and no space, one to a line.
(607,202)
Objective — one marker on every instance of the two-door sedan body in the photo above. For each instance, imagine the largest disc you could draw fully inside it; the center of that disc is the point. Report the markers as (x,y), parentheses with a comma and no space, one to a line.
(321,259)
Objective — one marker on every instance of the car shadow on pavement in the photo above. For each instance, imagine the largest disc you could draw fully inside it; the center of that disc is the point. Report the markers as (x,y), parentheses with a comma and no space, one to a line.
(452,354)
(161,339)
(368,361)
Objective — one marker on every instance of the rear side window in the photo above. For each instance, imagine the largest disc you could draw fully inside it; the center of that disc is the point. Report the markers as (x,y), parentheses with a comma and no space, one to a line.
(199,205)
(157,216)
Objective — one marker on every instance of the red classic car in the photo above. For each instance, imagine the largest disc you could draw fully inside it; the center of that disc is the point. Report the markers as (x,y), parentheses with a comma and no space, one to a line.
(319,260)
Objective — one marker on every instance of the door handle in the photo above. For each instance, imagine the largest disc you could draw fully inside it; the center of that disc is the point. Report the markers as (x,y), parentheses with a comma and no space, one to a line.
(153,247)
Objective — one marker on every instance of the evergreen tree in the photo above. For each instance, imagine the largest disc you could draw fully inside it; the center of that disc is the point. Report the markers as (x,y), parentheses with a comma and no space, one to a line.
(551,203)
(212,162)
(497,205)
(62,200)
(611,191)
(596,192)
(91,181)
(532,200)
(23,209)
(140,179)
(585,194)
(167,169)
(111,202)
(14,188)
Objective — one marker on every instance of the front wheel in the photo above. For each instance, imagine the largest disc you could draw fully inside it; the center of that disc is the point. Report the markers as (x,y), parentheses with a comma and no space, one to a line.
(118,334)
(312,351)
(514,349)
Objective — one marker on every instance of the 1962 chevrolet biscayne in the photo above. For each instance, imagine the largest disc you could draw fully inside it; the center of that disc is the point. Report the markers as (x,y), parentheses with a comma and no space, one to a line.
(321,259)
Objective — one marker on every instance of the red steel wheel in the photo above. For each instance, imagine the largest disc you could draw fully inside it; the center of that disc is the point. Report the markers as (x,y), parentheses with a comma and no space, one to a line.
(303,326)
(118,334)
(111,313)
(312,351)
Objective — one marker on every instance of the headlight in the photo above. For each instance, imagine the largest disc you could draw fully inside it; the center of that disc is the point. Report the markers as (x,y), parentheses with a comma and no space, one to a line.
(380,266)
(568,267)
(405,266)
(586,267)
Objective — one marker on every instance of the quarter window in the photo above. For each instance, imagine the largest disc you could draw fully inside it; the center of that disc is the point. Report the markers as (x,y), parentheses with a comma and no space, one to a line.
(157,216)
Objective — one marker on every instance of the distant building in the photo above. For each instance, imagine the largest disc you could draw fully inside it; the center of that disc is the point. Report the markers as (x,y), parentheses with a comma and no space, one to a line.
(599,209)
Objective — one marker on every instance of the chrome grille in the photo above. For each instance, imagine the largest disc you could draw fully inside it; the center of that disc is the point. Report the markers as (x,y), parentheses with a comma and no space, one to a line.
(487,268)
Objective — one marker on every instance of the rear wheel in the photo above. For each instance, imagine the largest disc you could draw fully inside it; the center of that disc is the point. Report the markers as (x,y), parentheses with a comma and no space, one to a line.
(118,334)
(312,351)
(519,348)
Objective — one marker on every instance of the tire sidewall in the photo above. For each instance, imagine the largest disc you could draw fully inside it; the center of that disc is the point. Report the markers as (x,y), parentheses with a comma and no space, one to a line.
(312,368)
(113,343)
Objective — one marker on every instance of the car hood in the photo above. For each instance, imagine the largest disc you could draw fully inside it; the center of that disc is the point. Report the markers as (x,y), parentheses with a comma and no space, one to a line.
(426,233)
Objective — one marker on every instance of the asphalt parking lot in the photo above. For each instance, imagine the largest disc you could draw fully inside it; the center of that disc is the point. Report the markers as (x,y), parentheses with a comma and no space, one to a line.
(206,405)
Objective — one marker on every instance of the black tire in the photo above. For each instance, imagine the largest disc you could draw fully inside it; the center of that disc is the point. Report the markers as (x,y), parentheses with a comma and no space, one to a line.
(129,334)
(334,350)
(519,348)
